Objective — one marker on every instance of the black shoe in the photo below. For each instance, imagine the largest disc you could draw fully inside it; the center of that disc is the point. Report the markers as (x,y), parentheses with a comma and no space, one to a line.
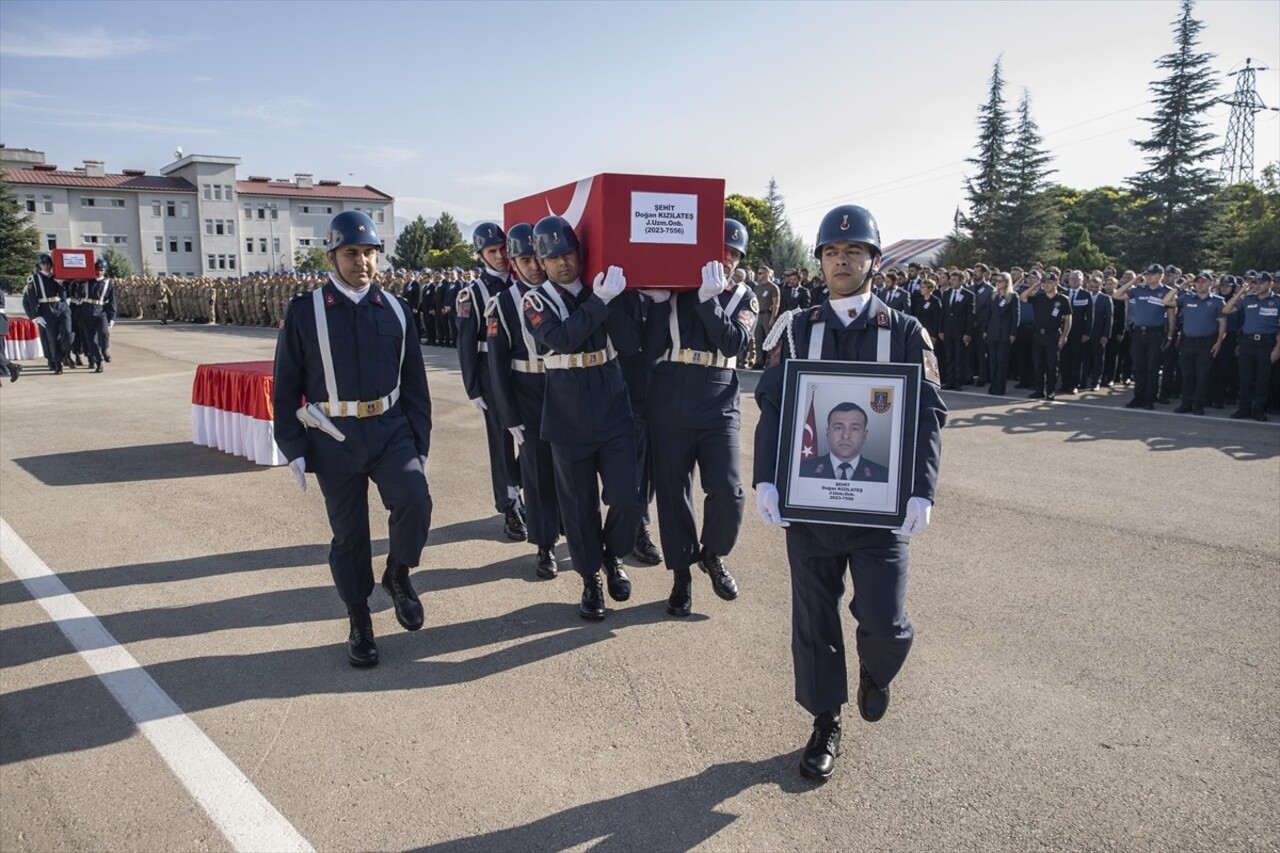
(1217,405)
(514,525)
(547,563)
(1261,416)
(57,370)
(1135,403)
(873,701)
(1164,401)
(15,370)
(820,754)
(1197,410)
(721,581)
(395,580)
(1104,385)
(1240,414)
(1069,391)
(1182,410)
(362,651)
(680,602)
(1049,398)
(592,606)
(1149,406)
(645,551)
(1036,395)
(79,363)
(97,368)
(106,358)
(616,577)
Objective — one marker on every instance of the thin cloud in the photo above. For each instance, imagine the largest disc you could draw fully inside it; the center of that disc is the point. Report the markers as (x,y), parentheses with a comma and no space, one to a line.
(385,155)
(28,105)
(288,111)
(492,179)
(96,43)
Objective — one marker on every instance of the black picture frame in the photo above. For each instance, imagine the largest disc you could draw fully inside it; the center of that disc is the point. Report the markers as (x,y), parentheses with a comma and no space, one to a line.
(810,487)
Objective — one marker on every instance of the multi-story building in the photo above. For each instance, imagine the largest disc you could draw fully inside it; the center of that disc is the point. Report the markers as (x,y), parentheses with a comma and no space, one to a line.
(194,218)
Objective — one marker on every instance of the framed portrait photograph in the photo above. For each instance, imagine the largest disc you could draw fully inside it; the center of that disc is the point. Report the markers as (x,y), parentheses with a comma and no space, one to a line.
(848,444)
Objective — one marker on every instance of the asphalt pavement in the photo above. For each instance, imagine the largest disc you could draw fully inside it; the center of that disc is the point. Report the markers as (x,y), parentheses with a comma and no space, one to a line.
(1096,667)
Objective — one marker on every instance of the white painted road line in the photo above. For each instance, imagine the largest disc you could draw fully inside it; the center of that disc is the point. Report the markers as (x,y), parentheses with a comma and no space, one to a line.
(232,802)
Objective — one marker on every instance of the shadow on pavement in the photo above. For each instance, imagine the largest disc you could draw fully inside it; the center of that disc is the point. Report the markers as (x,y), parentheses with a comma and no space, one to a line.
(677,815)
(1240,441)
(173,461)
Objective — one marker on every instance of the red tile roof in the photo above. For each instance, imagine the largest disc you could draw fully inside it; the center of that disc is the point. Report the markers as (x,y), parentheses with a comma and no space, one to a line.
(289,188)
(144,183)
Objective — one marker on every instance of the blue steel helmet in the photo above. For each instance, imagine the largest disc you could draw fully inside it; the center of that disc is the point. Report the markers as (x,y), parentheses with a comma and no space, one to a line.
(45,258)
(553,236)
(351,228)
(520,240)
(100,265)
(735,236)
(848,223)
(487,234)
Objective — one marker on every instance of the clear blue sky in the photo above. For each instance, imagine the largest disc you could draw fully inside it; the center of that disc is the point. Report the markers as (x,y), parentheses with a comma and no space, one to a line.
(462,106)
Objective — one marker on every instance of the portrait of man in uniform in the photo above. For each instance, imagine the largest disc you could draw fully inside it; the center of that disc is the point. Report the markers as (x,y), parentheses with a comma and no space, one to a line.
(846,436)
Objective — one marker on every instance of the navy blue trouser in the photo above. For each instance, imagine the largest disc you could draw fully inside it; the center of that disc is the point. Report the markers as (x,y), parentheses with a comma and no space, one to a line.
(998,356)
(403,488)
(1145,346)
(716,452)
(876,560)
(1196,363)
(1255,372)
(538,476)
(577,466)
(504,473)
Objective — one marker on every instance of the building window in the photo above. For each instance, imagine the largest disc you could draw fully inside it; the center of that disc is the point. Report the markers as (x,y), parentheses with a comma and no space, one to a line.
(173,244)
(231,227)
(304,243)
(208,193)
(226,191)
(117,202)
(186,245)
(89,238)
(275,245)
(155,207)
(222,262)
(248,211)
(51,240)
(208,226)
(380,219)
(219,227)
(217,192)
(213,262)
(186,210)
(262,213)
(159,244)
(248,246)
(31,204)
(48,203)
(262,245)
(275,212)
(88,201)
(171,208)
(231,262)
(119,240)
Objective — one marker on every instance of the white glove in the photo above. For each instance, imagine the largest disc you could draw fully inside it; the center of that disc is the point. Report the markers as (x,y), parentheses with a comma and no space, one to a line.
(299,469)
(918,510)
(313,417)
(517,432)
(40,322)
(111,324)
(479,403)
(609,284)
(713,281)
(657,294)
(767,505)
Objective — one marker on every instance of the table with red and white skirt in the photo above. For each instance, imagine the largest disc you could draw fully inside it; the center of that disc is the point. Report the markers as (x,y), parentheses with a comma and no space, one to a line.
(22,341)
(231,410)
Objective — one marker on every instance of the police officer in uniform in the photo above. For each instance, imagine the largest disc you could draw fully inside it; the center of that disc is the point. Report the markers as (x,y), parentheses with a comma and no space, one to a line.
(587,414)
(1259,344)
(694,420)
(45,302)
(519,384)
(1151,324)
(1050,327)
(852,326)
(1203,328)
(490,243)
(350,350)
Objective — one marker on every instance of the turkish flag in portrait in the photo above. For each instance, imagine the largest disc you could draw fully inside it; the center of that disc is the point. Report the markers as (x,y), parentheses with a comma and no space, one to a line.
(809,443)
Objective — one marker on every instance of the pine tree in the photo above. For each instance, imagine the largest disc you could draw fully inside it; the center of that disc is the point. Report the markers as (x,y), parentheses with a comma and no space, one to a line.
(1175,187)
(1028,221)
(986,189)
(445,234)
(19,238)
(413,246)
(773,221)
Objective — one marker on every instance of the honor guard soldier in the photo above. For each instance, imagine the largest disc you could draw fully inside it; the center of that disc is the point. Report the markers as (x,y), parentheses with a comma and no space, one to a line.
(99,315)
(587,415)
(694,421)
(1150,320)
(519,385)
(490,244)
(347,353)
(1259,346)
(852,326)
(45,302)
(1050,326)
(1203,328)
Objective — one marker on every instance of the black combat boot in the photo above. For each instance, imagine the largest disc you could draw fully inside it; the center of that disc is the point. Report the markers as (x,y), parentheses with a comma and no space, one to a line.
(514,526)
(873,700)
(362,651)
(616,578)
(721,581)
(680,602)
(547,563)
(592,606)
(820,754)
(645,551)
(395,580)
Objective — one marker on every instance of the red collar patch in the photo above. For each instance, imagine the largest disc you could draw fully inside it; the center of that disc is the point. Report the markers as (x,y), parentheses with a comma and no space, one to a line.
(815,315)
(377,297)
(882,320)
(330,300)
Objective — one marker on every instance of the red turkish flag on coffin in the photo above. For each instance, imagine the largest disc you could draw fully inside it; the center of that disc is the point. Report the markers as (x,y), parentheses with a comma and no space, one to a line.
(660,230)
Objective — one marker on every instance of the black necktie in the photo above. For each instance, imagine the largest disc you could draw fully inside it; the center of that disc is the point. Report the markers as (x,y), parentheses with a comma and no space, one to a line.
(846,471)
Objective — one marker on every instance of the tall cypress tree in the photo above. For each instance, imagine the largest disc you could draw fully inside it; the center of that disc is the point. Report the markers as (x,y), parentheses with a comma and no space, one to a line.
(1028,222)
(1175,187)
(986,189)
(19,239)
